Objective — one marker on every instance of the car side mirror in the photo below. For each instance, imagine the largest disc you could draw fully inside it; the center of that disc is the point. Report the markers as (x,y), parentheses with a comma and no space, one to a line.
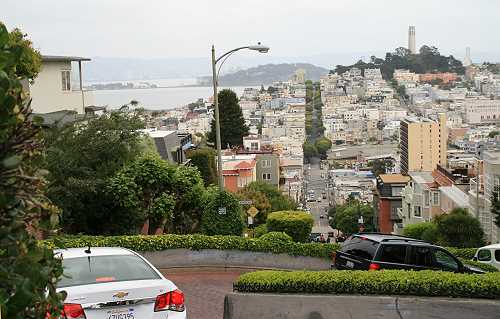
(474,258)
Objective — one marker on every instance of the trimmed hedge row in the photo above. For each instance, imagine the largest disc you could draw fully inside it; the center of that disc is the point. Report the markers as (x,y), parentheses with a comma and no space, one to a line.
(268,243)
(476,264)
(387,282)
(198,242)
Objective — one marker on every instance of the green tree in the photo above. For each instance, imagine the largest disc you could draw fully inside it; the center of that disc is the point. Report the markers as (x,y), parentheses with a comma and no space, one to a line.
(459,229)
(80,157)
(493,134)
(323,145)
(28,271)
(222,214)
(153,190)
(345,217)
(495,205)
(277,200)
(232,122)
(204,160)
(310,150)
(381,166)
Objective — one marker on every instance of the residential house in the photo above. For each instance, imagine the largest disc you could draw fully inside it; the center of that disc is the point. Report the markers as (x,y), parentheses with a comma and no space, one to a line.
(238,171)
(387,200)
(53,90)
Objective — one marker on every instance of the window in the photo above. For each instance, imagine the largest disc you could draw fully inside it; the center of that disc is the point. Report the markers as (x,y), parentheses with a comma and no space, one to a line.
(360,247)
(445,261)
(254,146)
(421,257)
(266,163)
(427,198)
(97,269)
(393,254)
(497,255)
(435,198)
(484,255)
(417,212)
(66,80)
(266,177)
(396,190)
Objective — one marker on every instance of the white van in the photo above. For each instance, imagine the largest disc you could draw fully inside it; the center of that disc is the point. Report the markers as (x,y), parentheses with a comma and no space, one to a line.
(489,255)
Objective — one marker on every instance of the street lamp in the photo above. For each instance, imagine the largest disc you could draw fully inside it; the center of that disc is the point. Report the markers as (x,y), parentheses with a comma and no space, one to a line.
(215,75)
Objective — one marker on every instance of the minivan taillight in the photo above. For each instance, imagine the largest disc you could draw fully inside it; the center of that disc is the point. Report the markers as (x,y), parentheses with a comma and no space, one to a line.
(173,300)
(73,311)
(374,266)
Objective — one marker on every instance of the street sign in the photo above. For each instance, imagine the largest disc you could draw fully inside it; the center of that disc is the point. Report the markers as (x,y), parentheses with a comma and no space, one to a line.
(222,210)
(252,211)
(246,202)
(250,220)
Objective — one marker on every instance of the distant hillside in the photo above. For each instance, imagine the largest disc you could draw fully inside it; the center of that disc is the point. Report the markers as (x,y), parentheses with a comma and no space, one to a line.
(267,74)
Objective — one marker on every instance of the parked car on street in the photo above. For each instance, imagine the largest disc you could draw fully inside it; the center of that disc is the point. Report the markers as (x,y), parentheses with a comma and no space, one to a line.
(116,283)
(489,255)
(374,251)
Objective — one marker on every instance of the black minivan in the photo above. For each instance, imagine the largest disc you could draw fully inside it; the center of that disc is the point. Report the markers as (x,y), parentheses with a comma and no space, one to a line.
(374,251)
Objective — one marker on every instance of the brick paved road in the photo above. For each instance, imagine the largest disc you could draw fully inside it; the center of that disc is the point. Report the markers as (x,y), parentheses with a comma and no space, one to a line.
(204,291)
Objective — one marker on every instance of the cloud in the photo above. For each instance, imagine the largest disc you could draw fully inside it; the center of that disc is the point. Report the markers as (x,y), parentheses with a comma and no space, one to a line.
(187,28)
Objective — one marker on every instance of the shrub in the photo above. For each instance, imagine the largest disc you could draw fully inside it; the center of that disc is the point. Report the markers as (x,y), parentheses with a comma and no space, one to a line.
(260,230)
(465,253)
(296,224)
(215,223)
(477,264)
(459,229)
(387,282)
(276,237)
(194,242)
(416,230)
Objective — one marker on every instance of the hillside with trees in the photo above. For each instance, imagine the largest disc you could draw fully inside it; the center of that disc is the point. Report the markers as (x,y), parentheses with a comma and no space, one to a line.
(267,74)
(428,60)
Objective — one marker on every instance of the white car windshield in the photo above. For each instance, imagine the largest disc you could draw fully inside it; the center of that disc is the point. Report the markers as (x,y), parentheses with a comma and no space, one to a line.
(99,269)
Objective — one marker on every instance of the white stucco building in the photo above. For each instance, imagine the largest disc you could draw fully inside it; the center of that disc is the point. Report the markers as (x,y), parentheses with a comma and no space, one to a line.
(52,90)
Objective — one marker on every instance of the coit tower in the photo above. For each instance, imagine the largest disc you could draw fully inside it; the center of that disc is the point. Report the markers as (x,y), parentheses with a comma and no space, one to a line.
(411,40)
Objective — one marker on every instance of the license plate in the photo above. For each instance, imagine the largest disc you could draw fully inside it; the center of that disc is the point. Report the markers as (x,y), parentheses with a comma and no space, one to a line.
(349,264)
(121,314)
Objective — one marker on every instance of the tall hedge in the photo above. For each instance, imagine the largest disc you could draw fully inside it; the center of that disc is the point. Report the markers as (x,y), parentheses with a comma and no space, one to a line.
(296,224)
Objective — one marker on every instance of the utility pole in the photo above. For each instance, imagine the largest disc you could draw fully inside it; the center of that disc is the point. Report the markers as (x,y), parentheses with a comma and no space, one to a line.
(217,123)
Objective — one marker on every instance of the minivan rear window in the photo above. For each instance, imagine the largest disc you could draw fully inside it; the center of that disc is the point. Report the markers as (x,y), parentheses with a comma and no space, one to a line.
(360,247)
(99,269)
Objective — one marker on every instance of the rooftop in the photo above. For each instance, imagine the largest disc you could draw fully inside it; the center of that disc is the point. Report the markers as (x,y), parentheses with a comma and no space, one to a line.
(422,177)
(63,58)
(394,178)
(456,195)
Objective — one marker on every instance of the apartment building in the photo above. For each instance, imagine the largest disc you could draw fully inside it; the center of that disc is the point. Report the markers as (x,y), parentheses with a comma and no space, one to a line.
(480,194)
(423,144)
(482,111)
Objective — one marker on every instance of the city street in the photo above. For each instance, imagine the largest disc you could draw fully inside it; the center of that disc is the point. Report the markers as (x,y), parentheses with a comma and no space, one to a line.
(204,291)
(319,185)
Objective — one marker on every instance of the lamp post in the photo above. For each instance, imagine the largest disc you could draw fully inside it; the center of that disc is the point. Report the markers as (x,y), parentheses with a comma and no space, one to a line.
(215,75)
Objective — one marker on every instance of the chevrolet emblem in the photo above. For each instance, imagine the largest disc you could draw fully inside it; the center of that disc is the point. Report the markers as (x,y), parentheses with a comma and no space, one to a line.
(121,294)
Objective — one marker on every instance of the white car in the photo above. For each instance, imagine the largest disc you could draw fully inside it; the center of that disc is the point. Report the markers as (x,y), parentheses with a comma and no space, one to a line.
(116,283)
(489,255)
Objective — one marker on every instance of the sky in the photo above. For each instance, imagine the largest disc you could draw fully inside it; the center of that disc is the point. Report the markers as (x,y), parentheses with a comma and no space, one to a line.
(187,28)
